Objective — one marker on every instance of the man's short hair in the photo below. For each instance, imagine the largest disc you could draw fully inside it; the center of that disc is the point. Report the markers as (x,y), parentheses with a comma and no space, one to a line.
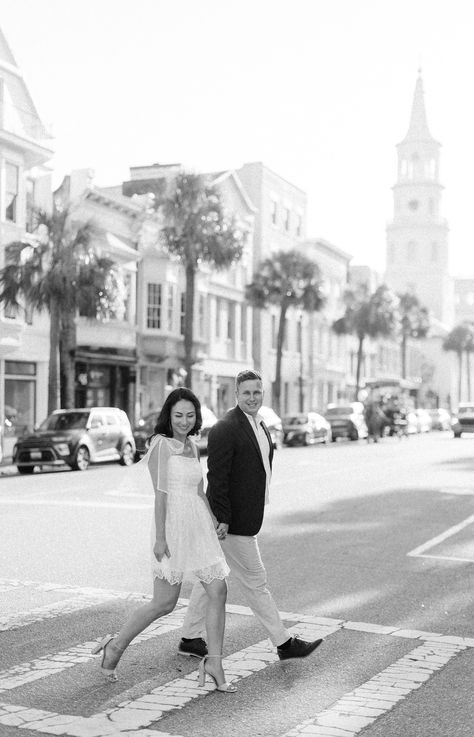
(247,375)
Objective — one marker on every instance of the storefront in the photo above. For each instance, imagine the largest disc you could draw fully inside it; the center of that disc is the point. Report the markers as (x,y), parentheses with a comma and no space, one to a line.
(20,389)
(106,380)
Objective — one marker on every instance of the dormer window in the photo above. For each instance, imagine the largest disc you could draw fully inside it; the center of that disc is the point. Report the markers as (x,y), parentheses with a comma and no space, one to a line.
(11,192)
(413,205)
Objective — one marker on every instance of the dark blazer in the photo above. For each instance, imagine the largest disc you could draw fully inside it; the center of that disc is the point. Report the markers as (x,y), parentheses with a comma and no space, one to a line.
(236,474)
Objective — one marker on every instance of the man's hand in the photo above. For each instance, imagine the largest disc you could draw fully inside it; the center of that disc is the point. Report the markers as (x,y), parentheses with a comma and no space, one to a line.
(222,530)
(160,549)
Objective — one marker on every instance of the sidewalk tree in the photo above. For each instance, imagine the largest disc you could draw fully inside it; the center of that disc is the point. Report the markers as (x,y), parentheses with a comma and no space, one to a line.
(57,270)
(414,324)
(367,315)
(287,279)
(460,340)
(196,231)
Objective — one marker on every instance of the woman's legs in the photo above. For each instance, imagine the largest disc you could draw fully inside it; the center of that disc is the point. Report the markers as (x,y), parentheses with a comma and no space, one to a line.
(165,596)
(215,625)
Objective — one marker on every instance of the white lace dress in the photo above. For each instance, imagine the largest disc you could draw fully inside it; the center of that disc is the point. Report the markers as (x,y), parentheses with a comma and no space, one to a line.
(195,552)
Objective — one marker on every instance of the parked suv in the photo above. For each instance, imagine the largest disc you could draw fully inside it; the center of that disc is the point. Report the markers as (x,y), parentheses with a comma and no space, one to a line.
(464,420)
(76,438)
(347,421)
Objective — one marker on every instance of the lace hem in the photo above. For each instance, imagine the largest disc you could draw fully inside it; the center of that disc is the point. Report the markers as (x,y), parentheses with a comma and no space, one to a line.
(208,574)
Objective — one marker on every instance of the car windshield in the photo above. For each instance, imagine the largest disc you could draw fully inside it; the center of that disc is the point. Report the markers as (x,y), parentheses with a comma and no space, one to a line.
(295,420)
(339,411)
(65,421)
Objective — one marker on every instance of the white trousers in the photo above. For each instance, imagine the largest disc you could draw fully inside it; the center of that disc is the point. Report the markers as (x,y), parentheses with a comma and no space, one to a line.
(244,560)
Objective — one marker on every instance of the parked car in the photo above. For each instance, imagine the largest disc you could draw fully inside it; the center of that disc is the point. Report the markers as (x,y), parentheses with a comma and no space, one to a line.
(424,420)
(145,426)
(440,419)
(463,421)
(76,438)
(208,420)
(142,431)
(347,421)
(274,425)
(306,428)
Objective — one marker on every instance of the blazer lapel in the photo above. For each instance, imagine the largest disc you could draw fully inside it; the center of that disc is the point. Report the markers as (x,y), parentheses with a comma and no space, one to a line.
(245,424)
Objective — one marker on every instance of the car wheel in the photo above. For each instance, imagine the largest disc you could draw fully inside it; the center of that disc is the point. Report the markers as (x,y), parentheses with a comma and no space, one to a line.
(457,434)
(128,456)
(82,459)
(306,438)
(354,436)
(25,469)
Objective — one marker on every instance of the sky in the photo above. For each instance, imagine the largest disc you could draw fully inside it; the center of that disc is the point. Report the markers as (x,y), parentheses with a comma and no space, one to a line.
(319,90)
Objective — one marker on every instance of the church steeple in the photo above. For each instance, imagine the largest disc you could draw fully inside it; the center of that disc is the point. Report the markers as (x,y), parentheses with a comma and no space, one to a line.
(418,129)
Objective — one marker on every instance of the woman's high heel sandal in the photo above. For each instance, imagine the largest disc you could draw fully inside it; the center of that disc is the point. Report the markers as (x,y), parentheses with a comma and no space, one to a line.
(223,687)
(110,673)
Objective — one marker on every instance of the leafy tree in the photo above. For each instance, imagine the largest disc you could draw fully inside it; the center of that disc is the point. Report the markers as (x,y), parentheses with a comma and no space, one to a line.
(367,316)
(414,324)
(287,279)
(459,340)
(57,270)
(196,231)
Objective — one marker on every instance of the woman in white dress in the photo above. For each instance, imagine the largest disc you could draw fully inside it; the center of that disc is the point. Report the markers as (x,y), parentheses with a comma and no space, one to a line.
(185,543)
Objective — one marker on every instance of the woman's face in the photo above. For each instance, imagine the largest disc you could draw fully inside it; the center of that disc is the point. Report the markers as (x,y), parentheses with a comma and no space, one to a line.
(183,419)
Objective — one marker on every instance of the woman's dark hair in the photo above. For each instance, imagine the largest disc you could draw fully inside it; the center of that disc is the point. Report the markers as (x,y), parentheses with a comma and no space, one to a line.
(163,423)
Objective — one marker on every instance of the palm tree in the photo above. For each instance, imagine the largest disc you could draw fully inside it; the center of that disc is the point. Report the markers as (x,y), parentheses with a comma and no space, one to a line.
(196,231)
(457,341)
(367,316)
(414,323)
(287,279)
(58,271)
(461,340)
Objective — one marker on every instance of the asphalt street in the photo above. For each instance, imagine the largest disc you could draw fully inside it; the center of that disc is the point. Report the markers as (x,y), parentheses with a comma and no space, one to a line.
(376,535)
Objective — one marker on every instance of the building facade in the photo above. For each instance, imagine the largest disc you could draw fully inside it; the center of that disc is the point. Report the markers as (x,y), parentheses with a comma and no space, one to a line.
(25,182)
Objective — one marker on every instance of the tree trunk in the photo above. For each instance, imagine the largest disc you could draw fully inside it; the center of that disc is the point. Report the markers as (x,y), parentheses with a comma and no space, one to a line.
(360,356)
(403,355)
(189,324)
(53,370)
(468,373)
(460,376)
(279,354)
(67,353)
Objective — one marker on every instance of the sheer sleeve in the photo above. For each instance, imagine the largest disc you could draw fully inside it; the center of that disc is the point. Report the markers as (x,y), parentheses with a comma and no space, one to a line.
(160,454)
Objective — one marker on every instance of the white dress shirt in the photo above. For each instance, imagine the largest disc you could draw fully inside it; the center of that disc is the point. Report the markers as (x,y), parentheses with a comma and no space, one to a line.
(255,423)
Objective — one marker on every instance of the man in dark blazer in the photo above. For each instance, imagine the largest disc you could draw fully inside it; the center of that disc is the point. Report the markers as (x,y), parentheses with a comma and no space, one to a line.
(240,454)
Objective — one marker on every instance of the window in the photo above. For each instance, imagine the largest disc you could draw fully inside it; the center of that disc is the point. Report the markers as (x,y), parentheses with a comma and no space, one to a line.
(287,219)
(153,319)
(170,309)
(434,251)
(201,315)
(413,205)
(230,320)
(299,225)
(30,205)
(11,192)
(411,251)
(274,211)
(182,312)
(431,207)
(243,324)
(274,332)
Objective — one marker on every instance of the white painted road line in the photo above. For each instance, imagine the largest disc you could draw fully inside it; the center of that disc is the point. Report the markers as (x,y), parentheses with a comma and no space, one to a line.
(421,549)
(361,707)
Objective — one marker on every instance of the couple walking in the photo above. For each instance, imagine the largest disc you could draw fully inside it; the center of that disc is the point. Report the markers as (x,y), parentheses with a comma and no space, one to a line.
(201,538)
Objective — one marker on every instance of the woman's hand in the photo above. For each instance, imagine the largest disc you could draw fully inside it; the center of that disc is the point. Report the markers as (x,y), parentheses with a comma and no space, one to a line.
(160,549)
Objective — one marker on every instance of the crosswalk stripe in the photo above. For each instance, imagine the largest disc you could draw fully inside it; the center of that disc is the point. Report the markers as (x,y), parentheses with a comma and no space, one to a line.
(361,707)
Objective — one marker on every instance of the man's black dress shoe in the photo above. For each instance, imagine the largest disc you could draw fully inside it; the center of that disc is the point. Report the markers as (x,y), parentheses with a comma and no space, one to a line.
(297,649)
(195,648)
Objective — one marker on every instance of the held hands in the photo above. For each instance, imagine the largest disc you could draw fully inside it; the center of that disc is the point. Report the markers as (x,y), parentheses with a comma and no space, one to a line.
(222,529)
(160,549)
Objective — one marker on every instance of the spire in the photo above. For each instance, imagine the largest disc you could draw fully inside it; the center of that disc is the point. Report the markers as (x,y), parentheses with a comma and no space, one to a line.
(418,129)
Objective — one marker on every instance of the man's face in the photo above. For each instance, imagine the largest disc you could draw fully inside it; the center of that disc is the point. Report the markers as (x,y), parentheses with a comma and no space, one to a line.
(249,395)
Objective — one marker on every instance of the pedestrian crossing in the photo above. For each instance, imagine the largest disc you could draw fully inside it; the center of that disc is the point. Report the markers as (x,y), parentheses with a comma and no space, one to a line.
(146,710)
